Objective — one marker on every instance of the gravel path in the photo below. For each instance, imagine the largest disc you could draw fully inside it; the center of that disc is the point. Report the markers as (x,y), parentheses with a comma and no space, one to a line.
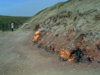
(19,57)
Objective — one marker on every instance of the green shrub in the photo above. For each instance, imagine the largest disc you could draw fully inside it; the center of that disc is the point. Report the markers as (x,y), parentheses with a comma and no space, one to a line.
(5,22)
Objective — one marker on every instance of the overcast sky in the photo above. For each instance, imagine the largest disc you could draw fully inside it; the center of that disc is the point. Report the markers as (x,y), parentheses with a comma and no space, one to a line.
(24,7)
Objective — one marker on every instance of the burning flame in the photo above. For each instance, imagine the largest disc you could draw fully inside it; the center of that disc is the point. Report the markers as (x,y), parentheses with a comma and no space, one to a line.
(65,54)
(37,32)
(70,59)
(36,35)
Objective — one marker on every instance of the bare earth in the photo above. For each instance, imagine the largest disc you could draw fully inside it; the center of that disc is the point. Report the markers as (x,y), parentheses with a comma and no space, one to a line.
(18,56)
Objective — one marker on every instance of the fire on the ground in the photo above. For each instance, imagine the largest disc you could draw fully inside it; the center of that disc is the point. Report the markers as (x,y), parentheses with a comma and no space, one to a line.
(36,35)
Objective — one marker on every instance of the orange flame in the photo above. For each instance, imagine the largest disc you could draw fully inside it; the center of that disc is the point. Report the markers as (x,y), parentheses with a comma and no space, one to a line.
(65,54)
(70,59)
(37,32)
(36,35)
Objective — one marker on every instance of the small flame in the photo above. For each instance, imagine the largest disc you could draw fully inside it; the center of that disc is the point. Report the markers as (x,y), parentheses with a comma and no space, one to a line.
(37,32)
(65,54)
(70,59)
(36,35)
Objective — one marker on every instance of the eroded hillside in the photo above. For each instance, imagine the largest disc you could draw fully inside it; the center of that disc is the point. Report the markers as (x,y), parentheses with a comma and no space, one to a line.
(70,29)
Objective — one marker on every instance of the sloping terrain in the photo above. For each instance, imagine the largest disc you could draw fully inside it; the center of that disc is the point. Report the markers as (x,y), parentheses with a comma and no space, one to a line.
(5,22)
(70,28)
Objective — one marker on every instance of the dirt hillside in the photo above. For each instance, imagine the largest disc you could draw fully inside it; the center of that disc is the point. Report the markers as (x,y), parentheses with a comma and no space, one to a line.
(68,31)
(72,26)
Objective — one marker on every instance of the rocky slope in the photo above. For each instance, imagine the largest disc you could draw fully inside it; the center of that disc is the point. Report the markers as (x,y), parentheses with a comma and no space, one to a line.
(70,28)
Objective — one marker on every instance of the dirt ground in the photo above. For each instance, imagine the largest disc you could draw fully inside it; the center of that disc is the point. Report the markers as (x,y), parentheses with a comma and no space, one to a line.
(18,56)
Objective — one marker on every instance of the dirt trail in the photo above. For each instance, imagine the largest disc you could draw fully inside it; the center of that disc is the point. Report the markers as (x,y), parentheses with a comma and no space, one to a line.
(19,57)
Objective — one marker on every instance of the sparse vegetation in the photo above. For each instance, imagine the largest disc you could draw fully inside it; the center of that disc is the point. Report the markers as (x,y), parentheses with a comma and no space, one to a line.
(5,22)
(40,12)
